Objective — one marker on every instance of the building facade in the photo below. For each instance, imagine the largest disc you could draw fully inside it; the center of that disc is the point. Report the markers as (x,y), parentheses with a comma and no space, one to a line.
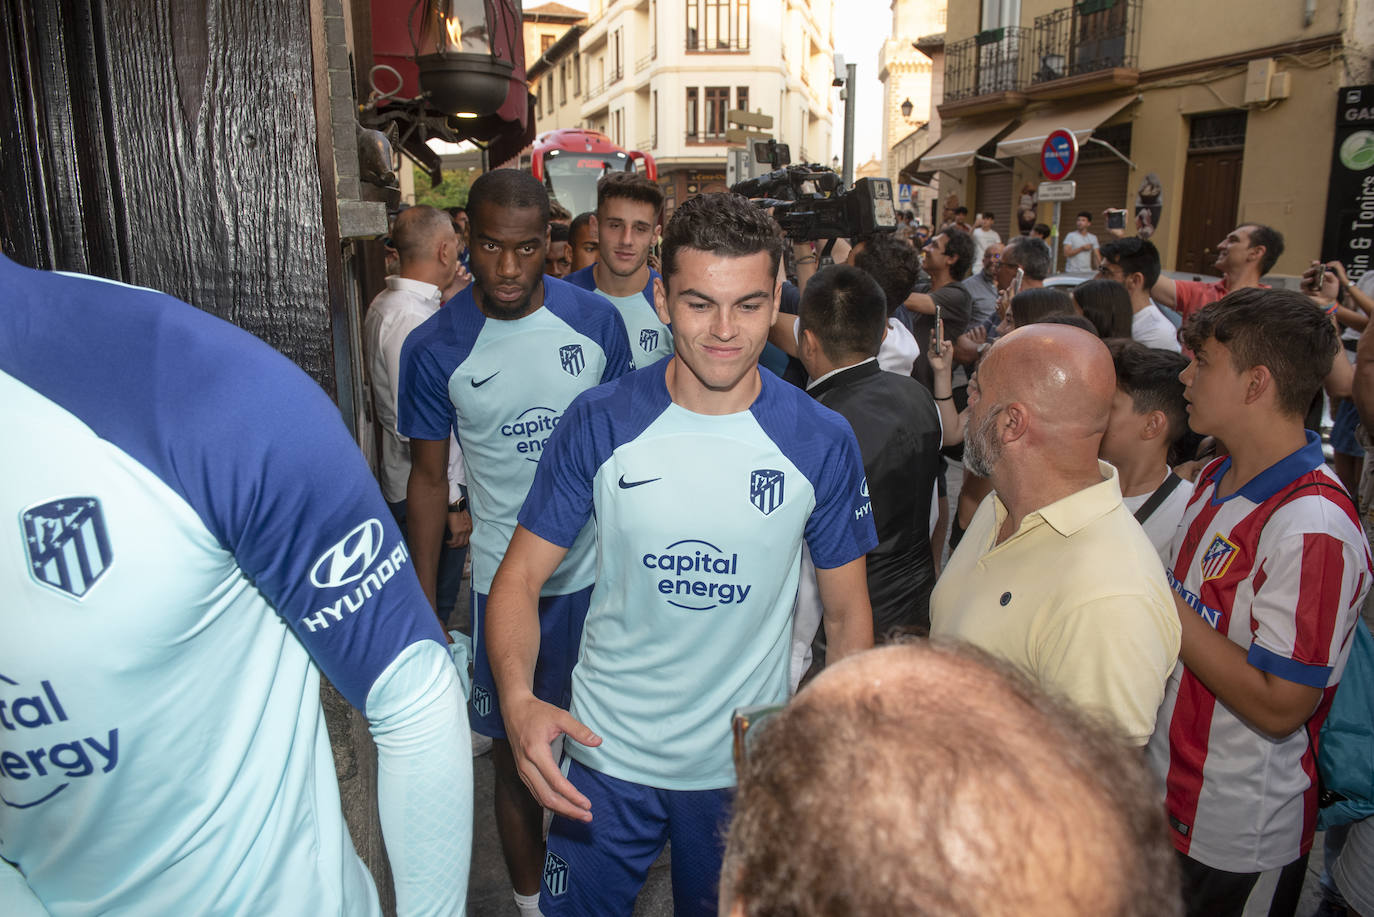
(907,73)
(554,71)
(660,76)
(1185,114)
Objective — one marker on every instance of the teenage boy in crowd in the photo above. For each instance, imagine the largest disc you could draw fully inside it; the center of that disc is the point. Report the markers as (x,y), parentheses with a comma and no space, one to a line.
(1269,570)
(1148,416)
(705,475)
(629,215)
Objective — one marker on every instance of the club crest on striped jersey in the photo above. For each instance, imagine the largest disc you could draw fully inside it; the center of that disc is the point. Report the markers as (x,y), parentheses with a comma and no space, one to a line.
(648,339)
(555,874)
(68,544)
(1216,560)
(765,489)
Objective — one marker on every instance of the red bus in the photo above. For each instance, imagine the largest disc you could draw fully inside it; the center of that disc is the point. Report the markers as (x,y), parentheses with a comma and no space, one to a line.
(569,162)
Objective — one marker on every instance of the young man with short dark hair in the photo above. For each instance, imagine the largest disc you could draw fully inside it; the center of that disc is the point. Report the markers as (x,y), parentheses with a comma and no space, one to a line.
(705,475)
(629,215)
(1148,416)
(1134,263)
(499,366)
(1080,246)
(947,258)
(984,236)
(1269,570)
(585,249)
(1246,254)
(842,322)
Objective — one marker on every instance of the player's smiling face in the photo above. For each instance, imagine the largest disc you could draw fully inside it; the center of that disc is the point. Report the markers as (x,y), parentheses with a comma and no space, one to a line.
(720,309)
(507,259)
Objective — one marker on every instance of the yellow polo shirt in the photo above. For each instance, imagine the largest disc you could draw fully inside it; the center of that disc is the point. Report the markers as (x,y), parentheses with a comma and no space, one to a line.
(1076,597)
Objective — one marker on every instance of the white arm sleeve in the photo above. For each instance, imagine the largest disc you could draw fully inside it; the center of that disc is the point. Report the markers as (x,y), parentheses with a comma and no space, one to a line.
(15,894)
(424,780)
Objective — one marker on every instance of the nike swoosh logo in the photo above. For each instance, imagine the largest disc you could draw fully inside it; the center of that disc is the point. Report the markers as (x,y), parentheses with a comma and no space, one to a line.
(626,485)
(476,384)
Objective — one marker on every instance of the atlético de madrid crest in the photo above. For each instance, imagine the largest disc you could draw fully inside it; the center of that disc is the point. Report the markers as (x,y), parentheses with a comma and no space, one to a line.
(67,543)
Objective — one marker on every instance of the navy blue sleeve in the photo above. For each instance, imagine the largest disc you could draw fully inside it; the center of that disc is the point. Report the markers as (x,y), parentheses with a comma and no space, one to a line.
(249,441)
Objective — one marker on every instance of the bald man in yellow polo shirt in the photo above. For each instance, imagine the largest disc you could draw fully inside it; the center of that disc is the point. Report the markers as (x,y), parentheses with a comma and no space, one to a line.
(1054,574)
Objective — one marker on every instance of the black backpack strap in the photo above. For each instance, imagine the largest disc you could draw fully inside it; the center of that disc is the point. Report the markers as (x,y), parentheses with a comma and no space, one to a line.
(1161,494)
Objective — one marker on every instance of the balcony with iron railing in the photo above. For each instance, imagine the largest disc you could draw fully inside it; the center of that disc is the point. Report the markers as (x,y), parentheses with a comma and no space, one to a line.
(615,75)
(643,63)
(703,137)
(987,72)
(647,143)
(697,44)
(1092,46)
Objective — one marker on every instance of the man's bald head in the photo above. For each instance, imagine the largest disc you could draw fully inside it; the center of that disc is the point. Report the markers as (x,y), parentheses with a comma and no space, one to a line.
(930,779)
(1062,374)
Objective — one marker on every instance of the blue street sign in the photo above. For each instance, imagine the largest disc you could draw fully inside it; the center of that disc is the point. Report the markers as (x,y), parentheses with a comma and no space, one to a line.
(1059,155)
(904,194)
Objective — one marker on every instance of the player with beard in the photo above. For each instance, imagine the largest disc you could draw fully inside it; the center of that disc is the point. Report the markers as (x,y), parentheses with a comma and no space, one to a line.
(629,215)
(705,475)
(499,365)
(1053,573)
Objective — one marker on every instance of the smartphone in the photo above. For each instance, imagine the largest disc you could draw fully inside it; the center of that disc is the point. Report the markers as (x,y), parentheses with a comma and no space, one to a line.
(1016,283)
(1116,218)
(939,330)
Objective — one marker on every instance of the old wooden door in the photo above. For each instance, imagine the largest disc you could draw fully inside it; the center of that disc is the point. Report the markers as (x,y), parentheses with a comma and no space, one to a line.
(185,145)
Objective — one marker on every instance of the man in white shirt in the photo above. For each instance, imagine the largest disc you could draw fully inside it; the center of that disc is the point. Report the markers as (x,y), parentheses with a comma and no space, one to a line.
(428,247)
(1134,263)
(1080,246)
(984,235)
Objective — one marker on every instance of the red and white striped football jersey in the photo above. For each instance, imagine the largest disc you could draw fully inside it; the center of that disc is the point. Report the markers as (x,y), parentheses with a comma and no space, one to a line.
(1281,567)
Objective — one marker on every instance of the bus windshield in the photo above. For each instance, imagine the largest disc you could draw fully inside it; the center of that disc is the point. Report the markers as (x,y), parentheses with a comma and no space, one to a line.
(571,177)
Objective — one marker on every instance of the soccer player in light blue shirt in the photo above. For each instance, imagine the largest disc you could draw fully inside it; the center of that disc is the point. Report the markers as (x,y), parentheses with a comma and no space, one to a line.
(629,215)
(705,476)
(191,537)
(499,366)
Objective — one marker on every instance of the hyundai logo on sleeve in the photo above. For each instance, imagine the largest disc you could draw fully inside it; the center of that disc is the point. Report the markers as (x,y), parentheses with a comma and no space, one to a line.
(571,359)
(349,558)
(68,545)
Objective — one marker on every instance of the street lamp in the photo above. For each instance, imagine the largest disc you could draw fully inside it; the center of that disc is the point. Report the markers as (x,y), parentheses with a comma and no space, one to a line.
(906,108)
(458,71)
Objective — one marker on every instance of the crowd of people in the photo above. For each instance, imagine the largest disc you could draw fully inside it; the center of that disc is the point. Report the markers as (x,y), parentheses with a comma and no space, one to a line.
(696,475)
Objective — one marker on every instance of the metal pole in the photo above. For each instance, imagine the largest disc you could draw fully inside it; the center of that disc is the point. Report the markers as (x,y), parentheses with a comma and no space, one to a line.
(1054,239)
(850,78)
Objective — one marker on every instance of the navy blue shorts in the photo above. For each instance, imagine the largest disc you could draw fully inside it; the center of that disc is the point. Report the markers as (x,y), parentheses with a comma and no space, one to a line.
(560,639)
(596,869)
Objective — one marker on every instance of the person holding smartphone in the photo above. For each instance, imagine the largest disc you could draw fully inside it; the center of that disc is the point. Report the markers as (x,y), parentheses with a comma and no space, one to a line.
(947,258)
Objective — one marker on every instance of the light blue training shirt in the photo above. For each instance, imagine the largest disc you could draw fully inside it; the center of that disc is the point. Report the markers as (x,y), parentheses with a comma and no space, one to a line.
(502,387)
(700,521)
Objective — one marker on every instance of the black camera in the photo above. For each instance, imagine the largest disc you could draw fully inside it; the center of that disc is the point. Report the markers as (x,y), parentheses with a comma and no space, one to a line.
(809,204)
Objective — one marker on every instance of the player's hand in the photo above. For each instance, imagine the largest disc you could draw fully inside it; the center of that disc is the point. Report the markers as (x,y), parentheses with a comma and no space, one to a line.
(1339,270)
(459,529)
(967,344)
(532,726)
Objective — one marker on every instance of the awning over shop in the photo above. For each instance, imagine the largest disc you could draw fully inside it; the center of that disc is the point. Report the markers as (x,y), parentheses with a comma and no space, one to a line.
(1082,120)
(958,144)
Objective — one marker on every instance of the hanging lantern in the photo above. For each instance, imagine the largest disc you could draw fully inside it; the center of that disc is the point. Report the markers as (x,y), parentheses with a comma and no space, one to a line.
(458,71)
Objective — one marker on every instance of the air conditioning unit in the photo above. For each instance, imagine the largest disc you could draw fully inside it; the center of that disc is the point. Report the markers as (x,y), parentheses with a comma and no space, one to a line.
(1265,83)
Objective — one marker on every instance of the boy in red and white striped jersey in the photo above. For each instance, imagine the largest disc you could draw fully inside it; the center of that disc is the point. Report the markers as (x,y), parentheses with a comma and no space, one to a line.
(1270,567)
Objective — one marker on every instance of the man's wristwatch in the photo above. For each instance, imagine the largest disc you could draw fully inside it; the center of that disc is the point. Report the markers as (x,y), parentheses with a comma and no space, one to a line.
(460,507)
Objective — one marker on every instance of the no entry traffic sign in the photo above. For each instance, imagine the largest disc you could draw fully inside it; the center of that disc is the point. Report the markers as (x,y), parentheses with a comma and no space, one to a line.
(1059,155)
